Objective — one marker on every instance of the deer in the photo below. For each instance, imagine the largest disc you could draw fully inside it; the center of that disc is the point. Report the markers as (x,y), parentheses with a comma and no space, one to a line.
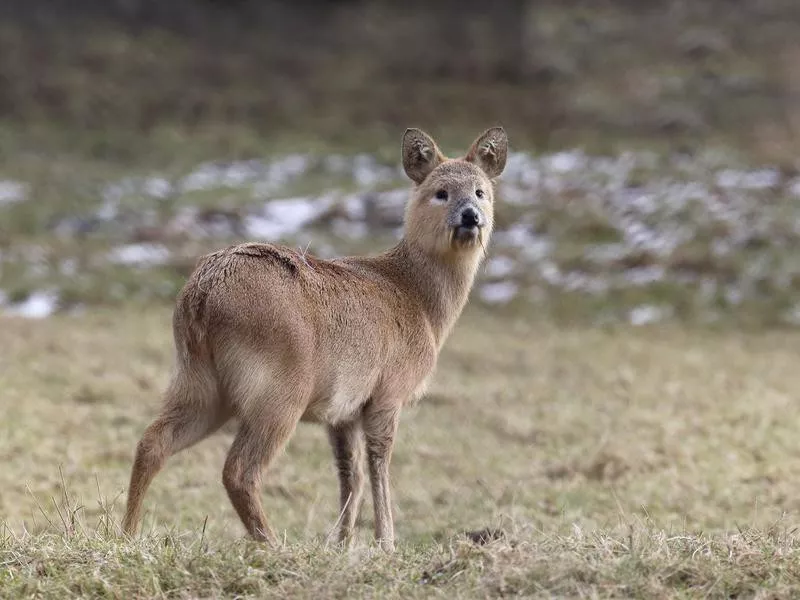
(272,337)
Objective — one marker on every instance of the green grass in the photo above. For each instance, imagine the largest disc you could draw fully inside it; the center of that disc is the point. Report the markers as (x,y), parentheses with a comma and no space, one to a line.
(618,462)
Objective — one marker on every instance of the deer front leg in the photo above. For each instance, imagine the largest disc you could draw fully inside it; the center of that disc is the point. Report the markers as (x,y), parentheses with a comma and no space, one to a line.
(380,426)
(348,451)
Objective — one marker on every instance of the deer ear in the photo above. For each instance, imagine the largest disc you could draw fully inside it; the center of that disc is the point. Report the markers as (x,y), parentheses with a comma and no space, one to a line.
(490,151)
(420,154)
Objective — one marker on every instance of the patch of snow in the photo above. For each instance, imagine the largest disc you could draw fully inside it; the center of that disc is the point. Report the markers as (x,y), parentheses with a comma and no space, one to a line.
(595,285)
(733,295)
(565,162)
(154,186)
(68,267)
(354,230)
(643,202)
(157,187)
(550,272)
(637,234)
(521,169)
(145,254)
(647,314)
(534,247)
(205,177)
(12,192)
(499,266)
(606,253)
(354,207)
(289,167)
(396,199)
(367,172)
(184,221)
(385,209)
(643,276)
(794,187)
(581,282)
(208,176)
(283,217)
(512,194)
(281,172)
(748,180)
(262,228)
(201,178)
(239,174)
(293,213)
(109,210)
(537,249)
(116,191)
(498,293)
(516,236)
(36,306)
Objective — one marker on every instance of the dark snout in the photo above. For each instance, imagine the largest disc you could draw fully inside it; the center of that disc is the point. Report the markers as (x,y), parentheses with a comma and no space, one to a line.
(466,221)
(470,218)
(466,214)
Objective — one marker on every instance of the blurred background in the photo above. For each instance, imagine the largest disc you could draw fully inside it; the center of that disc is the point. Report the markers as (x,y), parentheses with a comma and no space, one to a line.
(654,172)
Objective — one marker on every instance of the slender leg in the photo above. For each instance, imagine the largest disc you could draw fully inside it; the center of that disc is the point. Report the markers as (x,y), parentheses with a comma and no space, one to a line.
(380,427)
(348,451)
(179,427)
(255,446)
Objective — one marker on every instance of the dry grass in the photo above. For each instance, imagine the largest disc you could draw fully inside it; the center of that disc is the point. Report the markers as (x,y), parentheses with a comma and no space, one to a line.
(617,463)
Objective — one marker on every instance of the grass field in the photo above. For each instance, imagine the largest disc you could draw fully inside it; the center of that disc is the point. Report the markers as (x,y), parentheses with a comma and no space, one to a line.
(619,462)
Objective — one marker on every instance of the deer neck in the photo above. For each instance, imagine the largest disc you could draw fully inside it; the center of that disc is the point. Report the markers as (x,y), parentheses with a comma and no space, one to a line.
(441,283)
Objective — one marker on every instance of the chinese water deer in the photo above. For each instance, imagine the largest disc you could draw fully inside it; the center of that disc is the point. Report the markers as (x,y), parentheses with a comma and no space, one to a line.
(273,337)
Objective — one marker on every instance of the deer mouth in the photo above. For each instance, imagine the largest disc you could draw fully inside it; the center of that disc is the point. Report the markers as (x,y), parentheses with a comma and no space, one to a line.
(462,236)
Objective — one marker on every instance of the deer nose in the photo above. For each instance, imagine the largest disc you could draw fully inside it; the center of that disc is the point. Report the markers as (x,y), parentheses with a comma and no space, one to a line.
(470,218)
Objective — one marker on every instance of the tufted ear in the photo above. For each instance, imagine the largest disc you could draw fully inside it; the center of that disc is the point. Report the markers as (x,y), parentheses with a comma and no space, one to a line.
(490,151)
(420,154)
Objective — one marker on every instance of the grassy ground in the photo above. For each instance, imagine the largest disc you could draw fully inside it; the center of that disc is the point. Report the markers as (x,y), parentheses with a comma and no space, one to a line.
(618,462)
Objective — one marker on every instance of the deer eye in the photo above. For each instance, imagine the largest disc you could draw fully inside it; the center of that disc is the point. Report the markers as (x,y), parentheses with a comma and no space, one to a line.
(479,193)
(441,195)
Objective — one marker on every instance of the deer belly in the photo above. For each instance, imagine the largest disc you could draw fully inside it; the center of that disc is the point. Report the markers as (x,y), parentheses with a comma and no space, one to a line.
(343,399)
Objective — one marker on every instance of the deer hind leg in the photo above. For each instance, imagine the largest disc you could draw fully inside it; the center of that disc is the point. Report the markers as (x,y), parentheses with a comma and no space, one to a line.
(380,427)
(348,450)
(192,411)
(262,435)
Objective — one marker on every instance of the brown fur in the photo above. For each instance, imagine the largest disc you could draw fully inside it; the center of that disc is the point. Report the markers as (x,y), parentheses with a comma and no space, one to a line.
(274,337)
